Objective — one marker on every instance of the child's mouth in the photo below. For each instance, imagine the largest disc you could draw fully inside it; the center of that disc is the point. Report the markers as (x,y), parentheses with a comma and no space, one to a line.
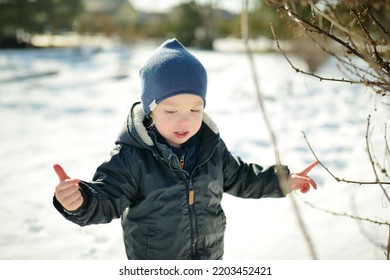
(181,134)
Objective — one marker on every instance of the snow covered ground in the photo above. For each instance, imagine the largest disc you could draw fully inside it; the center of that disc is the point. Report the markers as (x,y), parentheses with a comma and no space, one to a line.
(67,105)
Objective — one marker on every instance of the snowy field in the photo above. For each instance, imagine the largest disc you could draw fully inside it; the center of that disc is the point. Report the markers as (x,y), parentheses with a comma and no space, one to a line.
(67,105)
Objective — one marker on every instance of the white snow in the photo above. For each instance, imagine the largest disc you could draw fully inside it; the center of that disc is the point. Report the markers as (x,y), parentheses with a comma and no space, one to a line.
(71,113)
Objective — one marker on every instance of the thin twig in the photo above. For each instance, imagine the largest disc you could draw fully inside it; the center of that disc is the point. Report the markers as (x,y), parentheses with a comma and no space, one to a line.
(379,84)
(376,22)
(345,214)
(359,219)
(335,23)
(372,161)
(375,62)
(364,232)
(314,28)
(377,59)
(388,246)
(337,178)
(281,176)
(387,142)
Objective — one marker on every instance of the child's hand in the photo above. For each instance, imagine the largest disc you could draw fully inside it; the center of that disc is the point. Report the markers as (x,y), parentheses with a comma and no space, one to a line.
(301,181)
(67,191)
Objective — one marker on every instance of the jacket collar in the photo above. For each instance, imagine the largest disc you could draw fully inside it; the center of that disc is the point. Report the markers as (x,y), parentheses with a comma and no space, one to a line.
(134,133)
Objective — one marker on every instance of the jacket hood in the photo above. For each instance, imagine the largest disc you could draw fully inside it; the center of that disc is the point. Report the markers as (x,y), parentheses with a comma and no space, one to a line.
(134,132)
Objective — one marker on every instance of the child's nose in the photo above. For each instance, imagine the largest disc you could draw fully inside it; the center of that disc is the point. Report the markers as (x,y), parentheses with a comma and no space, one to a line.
(184,119)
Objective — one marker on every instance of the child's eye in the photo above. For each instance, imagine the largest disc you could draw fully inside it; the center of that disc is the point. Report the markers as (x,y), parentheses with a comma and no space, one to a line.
(170,111)
(196,111)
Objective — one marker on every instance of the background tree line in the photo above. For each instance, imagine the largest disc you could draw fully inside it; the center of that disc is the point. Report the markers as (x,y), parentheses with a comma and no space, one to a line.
(191,22)
(35,16)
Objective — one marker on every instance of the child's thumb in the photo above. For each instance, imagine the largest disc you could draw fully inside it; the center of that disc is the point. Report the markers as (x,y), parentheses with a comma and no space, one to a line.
(60,172)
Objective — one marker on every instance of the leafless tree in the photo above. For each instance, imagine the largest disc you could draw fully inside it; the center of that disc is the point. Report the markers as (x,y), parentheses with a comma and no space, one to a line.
(355,33)
(260,98)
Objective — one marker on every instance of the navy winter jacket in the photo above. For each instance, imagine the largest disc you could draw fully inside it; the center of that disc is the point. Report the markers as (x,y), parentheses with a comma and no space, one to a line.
(166,212)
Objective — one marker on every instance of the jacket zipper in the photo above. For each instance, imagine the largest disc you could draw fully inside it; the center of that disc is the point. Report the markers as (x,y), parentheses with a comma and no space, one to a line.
(191,191)
(193,223)
(192,213)
(182,162)
(191,209)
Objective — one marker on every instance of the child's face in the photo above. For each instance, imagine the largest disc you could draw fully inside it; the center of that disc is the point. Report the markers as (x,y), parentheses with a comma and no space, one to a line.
(178,118)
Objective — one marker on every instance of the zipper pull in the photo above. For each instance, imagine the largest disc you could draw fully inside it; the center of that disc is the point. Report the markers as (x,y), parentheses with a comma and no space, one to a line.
(182,162)
(191,196)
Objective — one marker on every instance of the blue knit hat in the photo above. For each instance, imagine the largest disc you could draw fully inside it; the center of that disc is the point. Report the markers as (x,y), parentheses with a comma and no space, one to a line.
(171,70)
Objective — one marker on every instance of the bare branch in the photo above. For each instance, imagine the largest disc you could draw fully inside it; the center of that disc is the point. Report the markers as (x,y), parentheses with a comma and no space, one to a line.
(385,167)
(387,142)
(372,161)
(283,180)
(378,60)
(308,26)
(332,20)
(363,46)
(337,178)
(388,246)
(387,151)
(376,22)
(345,214)
(363,230)
(362,81)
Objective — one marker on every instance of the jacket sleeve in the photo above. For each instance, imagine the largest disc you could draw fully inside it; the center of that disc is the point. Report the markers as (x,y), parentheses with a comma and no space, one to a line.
(111,191)
(249,180)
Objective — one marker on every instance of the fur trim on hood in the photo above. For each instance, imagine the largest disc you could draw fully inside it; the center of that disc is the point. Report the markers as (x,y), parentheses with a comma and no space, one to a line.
(134,133)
